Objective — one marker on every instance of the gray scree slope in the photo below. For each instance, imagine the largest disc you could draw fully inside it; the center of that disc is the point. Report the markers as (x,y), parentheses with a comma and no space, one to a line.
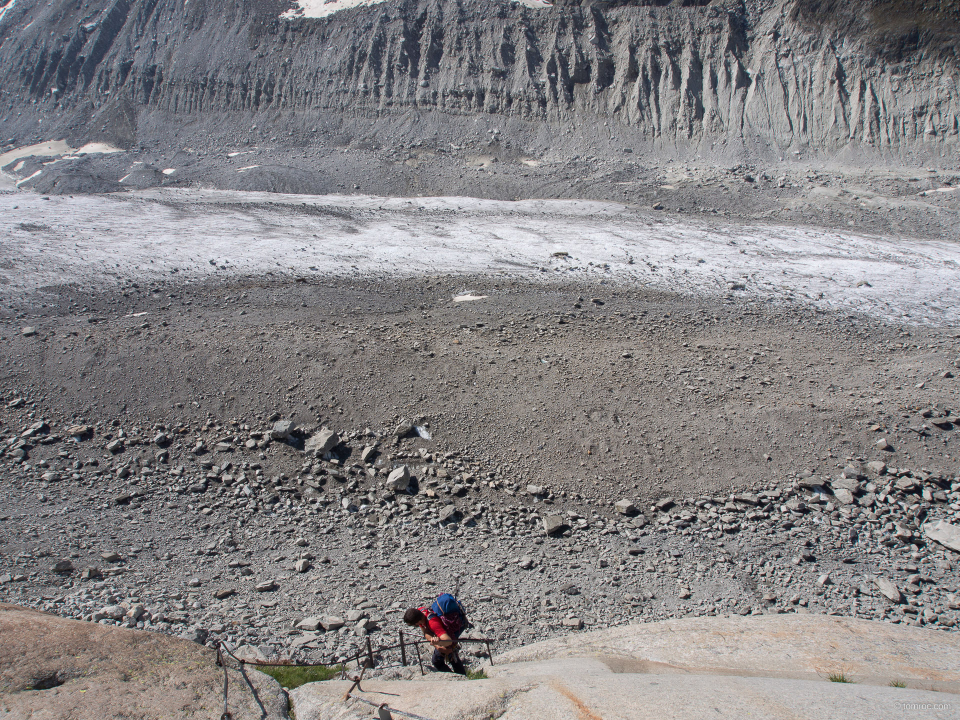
(718,80)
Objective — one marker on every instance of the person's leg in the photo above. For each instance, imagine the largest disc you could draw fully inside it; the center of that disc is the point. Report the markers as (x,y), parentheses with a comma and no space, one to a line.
(439,663)
(457,663)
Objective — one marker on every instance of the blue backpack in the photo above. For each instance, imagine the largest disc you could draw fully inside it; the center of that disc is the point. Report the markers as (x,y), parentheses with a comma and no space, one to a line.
(451,614)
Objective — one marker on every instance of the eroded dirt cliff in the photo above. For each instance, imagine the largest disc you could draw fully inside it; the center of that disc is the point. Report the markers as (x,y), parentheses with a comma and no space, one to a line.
(761,79)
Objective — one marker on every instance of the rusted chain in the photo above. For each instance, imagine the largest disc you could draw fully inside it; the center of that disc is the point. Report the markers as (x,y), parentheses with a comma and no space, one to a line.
(390,710)
(226,688)
(360,654)
(222,649)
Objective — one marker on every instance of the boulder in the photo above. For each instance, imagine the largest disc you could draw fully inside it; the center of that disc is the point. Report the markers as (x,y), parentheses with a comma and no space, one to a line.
(843,496)
(943,533)
(665,504)
(310,624)
(449,513)
(845,483)
(625,507)
(62,566)
(332,622)
(554,525)
(889,590)
(282,429)
(321,443)
(399,479)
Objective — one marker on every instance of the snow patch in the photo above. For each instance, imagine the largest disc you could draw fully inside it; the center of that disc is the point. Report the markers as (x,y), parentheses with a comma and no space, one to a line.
(58,149)
(28,179)
(5,8)
(102,240)
(324,8)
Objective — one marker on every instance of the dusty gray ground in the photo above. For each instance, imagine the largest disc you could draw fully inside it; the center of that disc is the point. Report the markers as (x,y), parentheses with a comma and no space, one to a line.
(590,393)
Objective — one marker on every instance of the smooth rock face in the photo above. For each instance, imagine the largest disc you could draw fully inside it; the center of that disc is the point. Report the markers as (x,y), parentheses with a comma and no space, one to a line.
(87,670)
(766,667)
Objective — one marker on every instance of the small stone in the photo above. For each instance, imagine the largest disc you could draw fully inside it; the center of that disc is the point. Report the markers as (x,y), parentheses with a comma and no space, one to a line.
(310,624)
(684,594)
(224,593)
(28,331)
(526,562)
(368,453)
(882,444)
(535,489)
(877,467)
(332,622)
(114,612)
(322,443)
(91,573)
(853,471)
(943,533)
(115,446)
(111,557)
(573,623)
(302,565)
(399,479)
(843,496)
(554,525)
(625,507)
(62,566)
(665,504)
(266,586)
(193,582)
(79,431)
(845,483)
(824,580)
(449,513)
(282,429)
(889,590)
